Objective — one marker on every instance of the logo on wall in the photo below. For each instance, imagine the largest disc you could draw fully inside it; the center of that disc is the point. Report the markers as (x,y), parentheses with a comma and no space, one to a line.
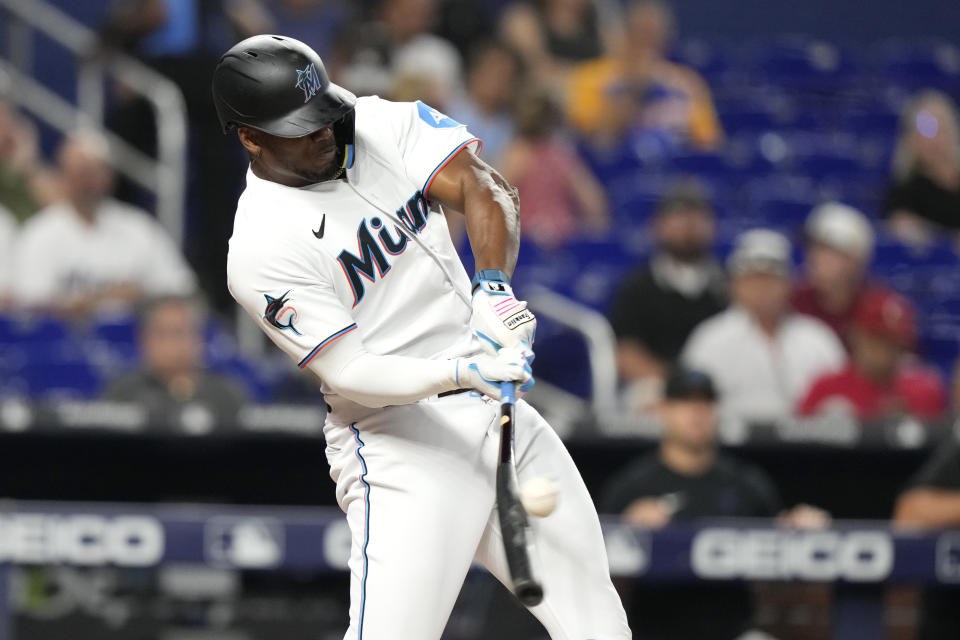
(244,543)
(948,557)
(309,81)
(279,314)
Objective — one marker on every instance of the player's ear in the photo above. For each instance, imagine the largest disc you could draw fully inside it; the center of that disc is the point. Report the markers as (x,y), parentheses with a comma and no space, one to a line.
(250,141)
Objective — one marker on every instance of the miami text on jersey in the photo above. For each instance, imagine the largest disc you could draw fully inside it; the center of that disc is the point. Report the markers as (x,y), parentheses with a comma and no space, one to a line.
(370,261)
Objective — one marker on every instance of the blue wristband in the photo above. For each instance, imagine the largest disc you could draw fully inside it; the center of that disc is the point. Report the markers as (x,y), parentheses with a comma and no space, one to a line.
(488,274)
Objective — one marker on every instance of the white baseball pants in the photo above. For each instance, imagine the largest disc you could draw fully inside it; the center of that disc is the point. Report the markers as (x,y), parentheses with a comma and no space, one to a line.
(417,483)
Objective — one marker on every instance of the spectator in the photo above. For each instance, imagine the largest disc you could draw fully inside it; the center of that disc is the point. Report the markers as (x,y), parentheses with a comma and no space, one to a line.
(879,382)
(762,356)
(641,97)
(657,306)
(932,501)
(398,48)
(838,252)
(924,196)
(172,383)
(685,479)
(25,184)
(553,35)
(183,39)
(493,77)
(90,253)
(560,197)
(8,232)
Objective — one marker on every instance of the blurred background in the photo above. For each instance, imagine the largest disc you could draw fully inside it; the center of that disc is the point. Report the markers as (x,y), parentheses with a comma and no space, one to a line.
(741,238)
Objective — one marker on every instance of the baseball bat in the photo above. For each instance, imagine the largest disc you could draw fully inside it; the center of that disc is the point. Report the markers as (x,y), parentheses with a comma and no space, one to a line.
(513,517)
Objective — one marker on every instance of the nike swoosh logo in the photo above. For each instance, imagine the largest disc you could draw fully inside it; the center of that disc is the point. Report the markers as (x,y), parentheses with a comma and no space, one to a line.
(318,234)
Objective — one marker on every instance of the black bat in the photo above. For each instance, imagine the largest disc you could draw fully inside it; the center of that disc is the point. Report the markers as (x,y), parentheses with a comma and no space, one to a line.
(513,517)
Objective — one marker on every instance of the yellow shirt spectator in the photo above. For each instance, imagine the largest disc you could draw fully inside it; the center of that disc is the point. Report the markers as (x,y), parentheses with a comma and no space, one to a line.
(606,99)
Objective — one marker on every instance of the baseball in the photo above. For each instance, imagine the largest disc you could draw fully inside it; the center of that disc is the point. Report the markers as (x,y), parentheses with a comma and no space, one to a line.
(539,496)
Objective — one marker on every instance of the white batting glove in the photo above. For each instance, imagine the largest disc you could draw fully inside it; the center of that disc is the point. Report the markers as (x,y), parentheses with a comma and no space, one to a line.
(499,319)
(485,373)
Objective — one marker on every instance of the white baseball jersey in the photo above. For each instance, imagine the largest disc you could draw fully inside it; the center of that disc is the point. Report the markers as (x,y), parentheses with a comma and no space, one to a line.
(369,254)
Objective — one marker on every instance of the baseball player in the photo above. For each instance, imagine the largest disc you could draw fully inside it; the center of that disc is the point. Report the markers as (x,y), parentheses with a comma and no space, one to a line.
(341,253)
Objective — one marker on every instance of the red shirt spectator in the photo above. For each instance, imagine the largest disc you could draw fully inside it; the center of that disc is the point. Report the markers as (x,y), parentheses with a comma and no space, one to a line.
(805,299)
(878,381)
(915,391)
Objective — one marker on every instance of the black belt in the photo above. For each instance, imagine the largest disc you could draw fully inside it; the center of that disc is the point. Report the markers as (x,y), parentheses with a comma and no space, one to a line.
(452,392)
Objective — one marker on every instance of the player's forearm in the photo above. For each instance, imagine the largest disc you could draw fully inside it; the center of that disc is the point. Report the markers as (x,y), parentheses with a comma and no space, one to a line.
(931,508)
(380,381)
(490,204)
(493,223)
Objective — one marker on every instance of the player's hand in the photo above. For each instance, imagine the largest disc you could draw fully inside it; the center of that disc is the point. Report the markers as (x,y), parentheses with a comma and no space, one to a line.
(499,319)
(485,373)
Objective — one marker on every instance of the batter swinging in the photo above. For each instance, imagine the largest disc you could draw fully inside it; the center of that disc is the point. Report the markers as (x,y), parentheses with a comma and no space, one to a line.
(341,253)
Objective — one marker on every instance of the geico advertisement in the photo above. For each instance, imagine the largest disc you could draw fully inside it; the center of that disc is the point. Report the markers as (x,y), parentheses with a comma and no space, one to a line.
(855,556)
(130,541)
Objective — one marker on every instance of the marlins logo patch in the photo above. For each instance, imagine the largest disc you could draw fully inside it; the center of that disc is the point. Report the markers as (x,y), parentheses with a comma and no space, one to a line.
(309,81)
(279,314)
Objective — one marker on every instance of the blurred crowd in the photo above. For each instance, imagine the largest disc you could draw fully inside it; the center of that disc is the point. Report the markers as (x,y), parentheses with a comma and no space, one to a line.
(626,143)
(577,101)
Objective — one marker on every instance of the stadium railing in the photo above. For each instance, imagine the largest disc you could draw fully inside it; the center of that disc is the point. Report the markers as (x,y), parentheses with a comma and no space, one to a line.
(165,176)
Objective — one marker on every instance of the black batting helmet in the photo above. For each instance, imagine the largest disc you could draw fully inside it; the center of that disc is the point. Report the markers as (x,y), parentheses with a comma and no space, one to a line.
(279,85)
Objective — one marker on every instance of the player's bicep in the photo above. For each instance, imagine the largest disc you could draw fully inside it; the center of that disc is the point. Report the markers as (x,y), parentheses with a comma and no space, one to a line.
(301,315)
(466,176)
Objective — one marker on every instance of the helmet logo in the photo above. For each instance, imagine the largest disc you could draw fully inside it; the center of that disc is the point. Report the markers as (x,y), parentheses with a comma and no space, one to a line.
(309,81)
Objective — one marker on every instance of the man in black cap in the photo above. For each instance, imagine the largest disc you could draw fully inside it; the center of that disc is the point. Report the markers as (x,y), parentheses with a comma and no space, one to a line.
(684,479)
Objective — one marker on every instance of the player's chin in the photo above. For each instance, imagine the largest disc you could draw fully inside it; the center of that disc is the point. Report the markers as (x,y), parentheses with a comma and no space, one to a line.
(320,174)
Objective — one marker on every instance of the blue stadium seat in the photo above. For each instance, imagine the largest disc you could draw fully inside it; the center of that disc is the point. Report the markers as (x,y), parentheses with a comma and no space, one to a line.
(36,330)
(801,62)
(634,196)
(708,166)
(780,200)
(562,358)
(116,330)
(939,345)
(713,60)
(919,64)
(47,379)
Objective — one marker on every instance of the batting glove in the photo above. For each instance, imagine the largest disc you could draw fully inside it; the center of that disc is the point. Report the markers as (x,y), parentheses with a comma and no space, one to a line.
(499,319)
(485,373)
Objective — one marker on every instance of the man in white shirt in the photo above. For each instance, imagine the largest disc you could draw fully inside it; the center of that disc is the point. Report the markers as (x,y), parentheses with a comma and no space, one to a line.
(91,253)
(762,356)
(8,232)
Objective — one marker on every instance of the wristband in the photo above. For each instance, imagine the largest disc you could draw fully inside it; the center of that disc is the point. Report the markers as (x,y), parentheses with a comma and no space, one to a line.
(488,274)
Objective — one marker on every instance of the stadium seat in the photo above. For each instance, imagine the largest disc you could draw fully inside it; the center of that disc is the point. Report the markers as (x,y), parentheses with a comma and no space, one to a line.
(918,65)
(50,379)
(781,200)
(801,62)
(116,330)
(562,358)
(713,60)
